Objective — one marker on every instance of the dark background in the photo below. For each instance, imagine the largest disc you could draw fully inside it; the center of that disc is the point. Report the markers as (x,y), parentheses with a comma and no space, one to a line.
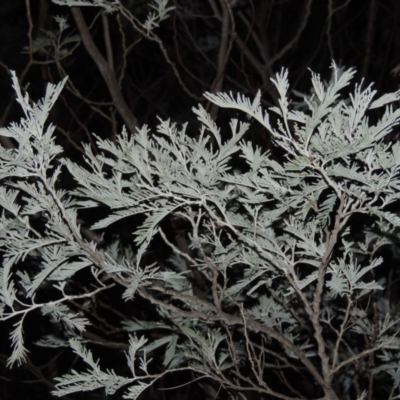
(260,38)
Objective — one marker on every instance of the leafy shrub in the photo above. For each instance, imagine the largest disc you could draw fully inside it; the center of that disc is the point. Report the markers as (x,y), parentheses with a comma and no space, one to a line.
(274,286)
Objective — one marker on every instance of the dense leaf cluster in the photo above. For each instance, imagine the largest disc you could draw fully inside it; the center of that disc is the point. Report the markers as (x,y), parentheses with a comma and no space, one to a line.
(267,289)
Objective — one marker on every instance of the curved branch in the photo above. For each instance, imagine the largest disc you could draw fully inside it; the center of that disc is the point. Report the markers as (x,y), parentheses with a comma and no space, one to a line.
(105,70)
(304,19)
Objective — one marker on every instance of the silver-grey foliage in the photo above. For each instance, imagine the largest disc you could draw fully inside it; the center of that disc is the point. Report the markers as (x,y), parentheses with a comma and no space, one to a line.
(284,281)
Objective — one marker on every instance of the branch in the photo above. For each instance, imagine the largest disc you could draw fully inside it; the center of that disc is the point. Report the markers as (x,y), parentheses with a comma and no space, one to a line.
(223,53)
(105,70)
(296,37)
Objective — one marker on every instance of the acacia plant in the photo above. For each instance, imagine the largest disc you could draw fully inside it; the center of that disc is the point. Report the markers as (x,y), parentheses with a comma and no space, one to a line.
(275,287)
